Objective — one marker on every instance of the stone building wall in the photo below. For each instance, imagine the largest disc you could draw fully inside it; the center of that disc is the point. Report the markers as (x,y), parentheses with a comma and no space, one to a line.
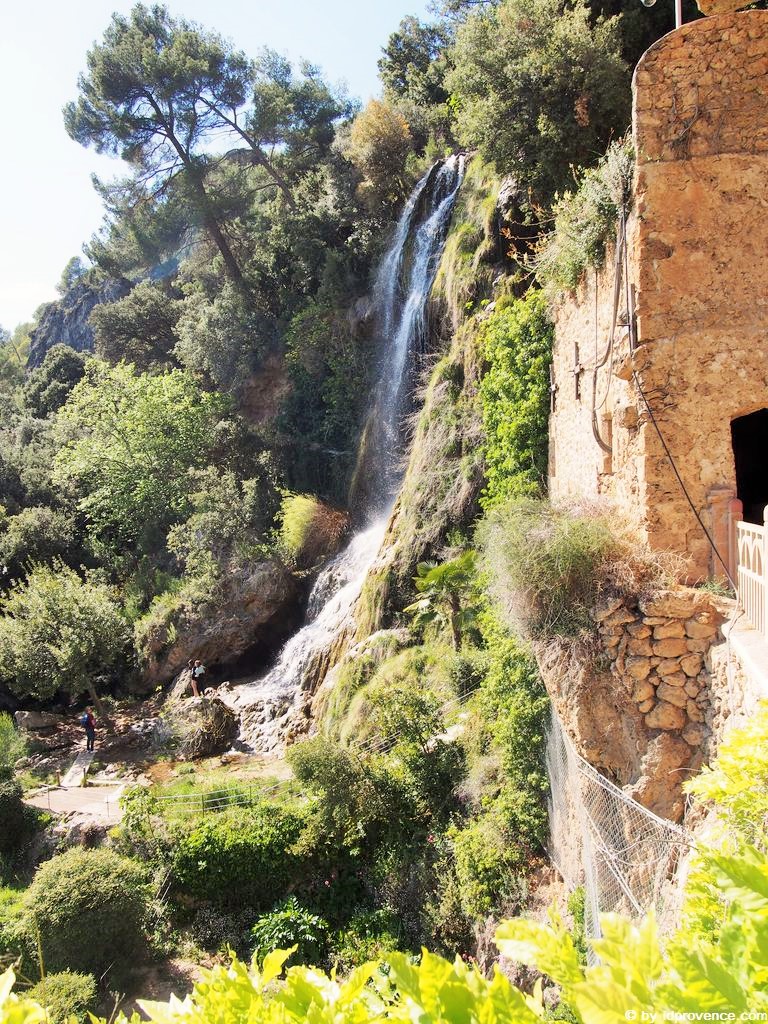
(698,238)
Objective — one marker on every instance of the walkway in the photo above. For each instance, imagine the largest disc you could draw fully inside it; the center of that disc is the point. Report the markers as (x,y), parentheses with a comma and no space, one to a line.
(77,772)
(102,803)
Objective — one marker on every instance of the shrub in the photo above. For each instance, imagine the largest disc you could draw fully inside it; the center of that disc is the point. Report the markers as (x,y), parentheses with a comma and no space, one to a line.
(369,935)
(310,530)
(12,745)
(725,973)
(514,393)
(585,220)
(18,824)
(36,535)
(544,566)
(48,386)
(88,910)
(239,858)
(58,631)
(65,995)
(287,925)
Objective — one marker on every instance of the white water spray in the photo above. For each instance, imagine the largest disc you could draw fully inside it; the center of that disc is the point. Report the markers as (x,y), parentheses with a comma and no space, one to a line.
(268,706)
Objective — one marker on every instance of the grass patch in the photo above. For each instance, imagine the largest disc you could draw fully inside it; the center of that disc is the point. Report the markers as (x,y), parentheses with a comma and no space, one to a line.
(547,567)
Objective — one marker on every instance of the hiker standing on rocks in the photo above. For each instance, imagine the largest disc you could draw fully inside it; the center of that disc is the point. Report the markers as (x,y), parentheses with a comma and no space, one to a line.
(197,676)
(192,677)
(88,722)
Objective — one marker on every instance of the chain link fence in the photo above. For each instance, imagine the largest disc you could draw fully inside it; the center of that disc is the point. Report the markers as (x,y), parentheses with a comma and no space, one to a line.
(624,855)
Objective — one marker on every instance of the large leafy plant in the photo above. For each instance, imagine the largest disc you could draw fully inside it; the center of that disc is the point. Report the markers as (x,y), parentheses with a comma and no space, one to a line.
(634,976)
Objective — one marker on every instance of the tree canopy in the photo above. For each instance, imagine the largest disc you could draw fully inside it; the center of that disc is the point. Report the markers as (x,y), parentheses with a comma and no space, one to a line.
(59,632)
(133,439)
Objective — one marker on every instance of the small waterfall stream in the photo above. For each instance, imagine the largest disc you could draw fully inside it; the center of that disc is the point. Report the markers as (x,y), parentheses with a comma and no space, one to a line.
(269,705)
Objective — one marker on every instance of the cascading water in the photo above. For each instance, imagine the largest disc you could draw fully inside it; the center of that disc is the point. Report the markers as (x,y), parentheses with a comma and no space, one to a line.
(406,274)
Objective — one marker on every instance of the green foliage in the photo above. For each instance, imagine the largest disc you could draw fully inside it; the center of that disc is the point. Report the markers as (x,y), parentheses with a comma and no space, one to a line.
(88,910)
(49,385)
(539,87)
(329,366)
(514,393)
(379,144)
(693,974)
(448,595)
(576,908)
(18,824)
(240,857)
(368,935)
(133,440)
(309,529)
(586,219)
(139,328)
(289,925)
(224,338)
(488,866)
(58,631)
(544,566)
(696,973)
(738,781)
(36,535)
(13,745)
(65,995)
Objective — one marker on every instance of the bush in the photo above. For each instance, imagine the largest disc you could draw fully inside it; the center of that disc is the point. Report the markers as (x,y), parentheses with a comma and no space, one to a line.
(48,386)
(290,924)
(310,530)
(369,935)
(88,909)
(13,745)
(36,534)
(545,566)
(489,867)
(18,824)
(65,995)
(585,220)
(239,858)
(514,393)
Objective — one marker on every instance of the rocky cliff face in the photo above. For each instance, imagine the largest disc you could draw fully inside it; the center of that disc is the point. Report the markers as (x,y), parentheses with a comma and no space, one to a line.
(251,612)
(65,321)
(641,710)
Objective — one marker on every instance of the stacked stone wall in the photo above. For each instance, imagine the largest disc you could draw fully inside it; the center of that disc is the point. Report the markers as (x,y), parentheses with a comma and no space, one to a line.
(659,649)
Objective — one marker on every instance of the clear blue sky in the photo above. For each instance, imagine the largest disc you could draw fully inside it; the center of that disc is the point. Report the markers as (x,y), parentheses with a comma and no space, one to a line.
(47,204)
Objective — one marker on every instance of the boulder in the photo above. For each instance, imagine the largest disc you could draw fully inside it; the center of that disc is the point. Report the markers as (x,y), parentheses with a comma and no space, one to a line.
(33,721)
(201,727)
(252,607)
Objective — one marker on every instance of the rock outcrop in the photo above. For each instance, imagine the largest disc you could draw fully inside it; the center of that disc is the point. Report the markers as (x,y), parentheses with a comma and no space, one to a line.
(65,322)
(252,609)
(201,727)
(640,709)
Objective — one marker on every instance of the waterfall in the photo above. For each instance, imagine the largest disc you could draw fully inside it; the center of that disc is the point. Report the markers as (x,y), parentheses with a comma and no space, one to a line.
(269,706)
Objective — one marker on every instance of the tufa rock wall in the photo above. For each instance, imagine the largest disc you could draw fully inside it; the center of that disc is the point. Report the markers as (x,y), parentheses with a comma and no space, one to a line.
(640,709)
(697,238)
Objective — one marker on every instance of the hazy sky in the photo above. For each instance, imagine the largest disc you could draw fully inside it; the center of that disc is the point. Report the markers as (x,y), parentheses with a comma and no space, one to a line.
(47,204)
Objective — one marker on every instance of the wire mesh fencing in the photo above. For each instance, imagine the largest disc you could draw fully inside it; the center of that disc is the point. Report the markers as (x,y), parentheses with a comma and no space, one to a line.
(624,855)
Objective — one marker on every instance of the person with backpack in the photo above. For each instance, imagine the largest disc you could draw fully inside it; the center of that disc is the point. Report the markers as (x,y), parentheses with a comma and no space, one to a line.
(88,722)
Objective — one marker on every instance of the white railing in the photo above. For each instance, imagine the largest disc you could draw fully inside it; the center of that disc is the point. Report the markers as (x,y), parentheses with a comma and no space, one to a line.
(752,564)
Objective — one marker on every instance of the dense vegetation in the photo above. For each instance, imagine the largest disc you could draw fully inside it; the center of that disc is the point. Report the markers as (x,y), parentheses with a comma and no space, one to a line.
(216,427)
(713,963)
